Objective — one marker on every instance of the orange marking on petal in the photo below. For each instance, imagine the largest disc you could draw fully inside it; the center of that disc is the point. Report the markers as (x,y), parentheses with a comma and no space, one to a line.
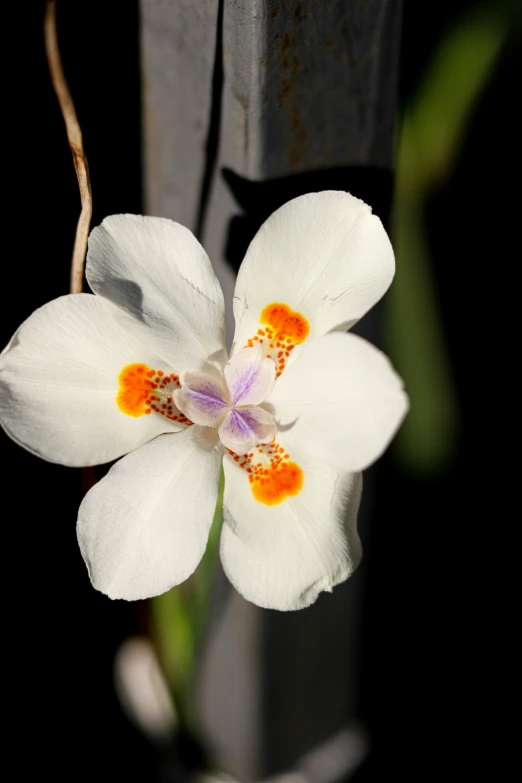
(284,329)
(272,476)
(285,322)
(135,397)
(281,482)
(133,394)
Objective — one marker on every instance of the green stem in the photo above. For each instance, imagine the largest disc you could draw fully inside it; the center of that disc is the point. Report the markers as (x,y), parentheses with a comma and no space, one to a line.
(178,621)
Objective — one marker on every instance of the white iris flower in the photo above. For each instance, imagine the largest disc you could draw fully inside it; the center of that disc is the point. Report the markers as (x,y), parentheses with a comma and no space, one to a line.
(140,368)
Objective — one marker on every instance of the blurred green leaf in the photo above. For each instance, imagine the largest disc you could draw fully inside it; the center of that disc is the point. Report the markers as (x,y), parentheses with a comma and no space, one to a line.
(435,122)
(431,134)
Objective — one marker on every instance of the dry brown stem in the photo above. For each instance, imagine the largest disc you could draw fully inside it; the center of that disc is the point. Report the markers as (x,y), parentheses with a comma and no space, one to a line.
(74,136)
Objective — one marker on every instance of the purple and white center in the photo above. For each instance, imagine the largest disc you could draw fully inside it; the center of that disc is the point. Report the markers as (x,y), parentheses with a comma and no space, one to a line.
(231,403)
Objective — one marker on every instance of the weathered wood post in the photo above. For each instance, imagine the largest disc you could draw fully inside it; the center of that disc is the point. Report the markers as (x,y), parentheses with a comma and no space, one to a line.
(246,105)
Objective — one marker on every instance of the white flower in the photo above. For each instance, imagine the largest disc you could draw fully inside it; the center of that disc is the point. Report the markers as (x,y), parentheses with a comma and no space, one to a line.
(141,367)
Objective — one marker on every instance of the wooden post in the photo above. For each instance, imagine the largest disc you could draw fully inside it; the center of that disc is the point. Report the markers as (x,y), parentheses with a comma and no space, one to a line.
(248,104)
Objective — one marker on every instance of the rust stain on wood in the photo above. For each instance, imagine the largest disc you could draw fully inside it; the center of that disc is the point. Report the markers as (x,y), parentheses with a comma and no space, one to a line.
(290,85)
(300,12)
(285,48)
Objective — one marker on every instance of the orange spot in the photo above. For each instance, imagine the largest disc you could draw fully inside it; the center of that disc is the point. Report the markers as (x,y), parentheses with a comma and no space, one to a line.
(134,389)
(285,322)
(135,397)
(278,483)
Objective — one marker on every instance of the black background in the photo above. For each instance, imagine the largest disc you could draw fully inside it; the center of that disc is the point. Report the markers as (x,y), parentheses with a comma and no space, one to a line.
(430,621)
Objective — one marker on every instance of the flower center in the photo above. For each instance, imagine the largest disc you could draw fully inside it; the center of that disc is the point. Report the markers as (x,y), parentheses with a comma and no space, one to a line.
(232,402)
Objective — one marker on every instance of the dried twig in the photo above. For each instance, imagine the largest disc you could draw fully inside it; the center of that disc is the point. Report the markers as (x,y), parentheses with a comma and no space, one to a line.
(74,136)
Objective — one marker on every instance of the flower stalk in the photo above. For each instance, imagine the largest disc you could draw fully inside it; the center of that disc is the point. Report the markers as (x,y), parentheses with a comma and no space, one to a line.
(75,139)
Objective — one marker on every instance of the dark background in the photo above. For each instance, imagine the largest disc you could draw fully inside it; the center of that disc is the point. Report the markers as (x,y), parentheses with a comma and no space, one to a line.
(429,616)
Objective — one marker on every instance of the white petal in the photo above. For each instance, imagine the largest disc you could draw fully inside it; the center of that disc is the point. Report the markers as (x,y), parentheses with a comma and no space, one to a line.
(283,556)
(203,398)
(324,255)
(157,270)
(144,527)
(341,401)
(249,377)
(243,428)
(59,382)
